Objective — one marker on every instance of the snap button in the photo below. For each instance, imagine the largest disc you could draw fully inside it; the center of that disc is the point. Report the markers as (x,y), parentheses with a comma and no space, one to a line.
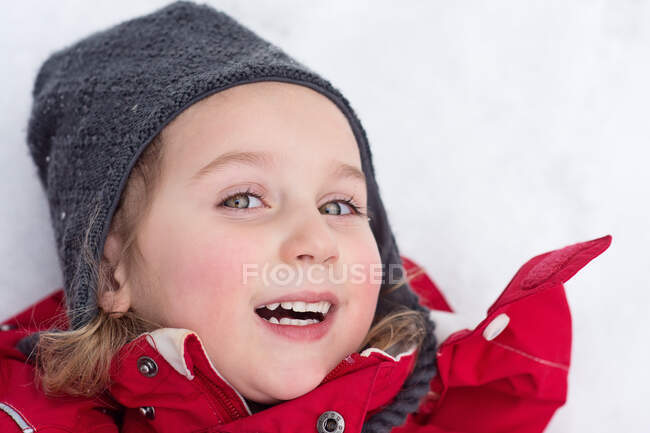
(148,411)
(7,327)
(496,326)
(330,422)
(147,366)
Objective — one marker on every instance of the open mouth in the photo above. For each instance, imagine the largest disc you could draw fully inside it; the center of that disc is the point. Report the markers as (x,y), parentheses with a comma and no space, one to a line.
(294,313)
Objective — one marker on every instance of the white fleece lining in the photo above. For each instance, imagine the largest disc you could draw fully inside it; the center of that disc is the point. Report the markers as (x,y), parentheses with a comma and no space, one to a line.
(372,350)
(170,343)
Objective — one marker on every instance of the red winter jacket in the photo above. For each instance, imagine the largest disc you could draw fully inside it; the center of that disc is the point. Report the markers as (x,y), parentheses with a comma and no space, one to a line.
(507,374)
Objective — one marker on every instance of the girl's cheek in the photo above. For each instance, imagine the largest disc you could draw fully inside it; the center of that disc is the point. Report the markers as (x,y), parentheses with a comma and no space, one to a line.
(373,277)
(365,268)
(364,276)
(206,274)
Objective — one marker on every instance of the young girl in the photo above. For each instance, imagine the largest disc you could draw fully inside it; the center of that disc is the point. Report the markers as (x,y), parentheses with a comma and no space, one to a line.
(229,266)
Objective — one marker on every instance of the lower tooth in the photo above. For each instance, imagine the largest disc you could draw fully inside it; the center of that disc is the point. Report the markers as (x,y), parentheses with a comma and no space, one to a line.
(294,322)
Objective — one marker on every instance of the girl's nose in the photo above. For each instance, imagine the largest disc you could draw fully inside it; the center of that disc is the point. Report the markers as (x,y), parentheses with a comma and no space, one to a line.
(310,241)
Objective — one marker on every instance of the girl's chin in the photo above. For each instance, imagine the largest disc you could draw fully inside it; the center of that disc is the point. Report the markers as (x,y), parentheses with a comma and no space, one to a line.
(281,389)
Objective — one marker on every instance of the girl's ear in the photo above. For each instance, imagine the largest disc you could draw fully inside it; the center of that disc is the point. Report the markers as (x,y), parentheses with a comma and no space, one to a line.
(118,300)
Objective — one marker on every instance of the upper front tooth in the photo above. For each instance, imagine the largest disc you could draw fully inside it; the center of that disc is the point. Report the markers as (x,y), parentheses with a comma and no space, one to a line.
(319,307)
(324,307)
(299,306)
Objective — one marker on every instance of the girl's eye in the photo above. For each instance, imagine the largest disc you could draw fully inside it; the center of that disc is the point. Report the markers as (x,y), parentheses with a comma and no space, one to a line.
(249,200)
(338,207)
(242,200)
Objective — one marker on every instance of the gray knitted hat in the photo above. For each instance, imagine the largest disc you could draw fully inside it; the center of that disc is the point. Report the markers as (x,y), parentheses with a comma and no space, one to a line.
(98,103)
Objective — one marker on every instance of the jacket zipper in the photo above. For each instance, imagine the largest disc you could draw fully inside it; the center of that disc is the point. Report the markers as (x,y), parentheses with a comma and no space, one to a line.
(228,408)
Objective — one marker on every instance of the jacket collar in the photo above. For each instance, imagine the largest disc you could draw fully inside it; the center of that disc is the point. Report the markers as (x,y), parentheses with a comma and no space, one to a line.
(167,371)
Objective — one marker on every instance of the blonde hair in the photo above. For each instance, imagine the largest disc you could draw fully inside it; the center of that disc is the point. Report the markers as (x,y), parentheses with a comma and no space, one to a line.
(77,362)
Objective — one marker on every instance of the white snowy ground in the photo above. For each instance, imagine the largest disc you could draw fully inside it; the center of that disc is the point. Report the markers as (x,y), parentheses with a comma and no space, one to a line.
(500,130)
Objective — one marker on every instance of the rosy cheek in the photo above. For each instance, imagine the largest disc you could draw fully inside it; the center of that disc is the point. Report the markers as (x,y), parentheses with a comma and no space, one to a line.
(366,266)
(207,273)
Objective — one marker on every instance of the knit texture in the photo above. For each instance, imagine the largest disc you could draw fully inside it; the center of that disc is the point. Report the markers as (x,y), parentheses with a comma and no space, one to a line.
(99,102)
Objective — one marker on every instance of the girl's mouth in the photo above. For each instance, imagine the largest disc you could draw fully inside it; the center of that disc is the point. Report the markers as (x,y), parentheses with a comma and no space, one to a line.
(297,320)
(296,313)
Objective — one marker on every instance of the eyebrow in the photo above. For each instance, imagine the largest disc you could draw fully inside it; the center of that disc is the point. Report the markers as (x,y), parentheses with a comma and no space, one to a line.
(266,161)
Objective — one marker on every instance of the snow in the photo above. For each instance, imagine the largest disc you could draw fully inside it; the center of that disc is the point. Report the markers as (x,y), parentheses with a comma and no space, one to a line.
(500,130)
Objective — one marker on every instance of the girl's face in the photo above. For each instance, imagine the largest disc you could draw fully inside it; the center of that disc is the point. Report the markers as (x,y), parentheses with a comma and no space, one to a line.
(254,186)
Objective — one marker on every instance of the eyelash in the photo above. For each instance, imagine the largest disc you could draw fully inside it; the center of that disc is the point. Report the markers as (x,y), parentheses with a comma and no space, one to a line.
(357,210)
